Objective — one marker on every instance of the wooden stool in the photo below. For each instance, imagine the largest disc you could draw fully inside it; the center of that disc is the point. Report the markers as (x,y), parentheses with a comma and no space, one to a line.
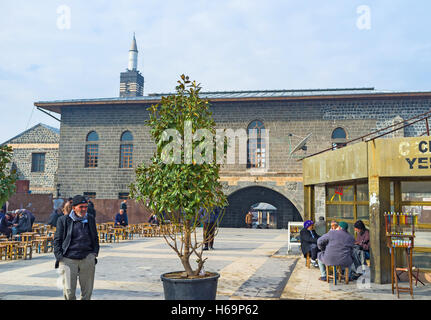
(12,251)
(24,251)
(336,273)
(41,244)
(102,236)
(3,251)
(50,244)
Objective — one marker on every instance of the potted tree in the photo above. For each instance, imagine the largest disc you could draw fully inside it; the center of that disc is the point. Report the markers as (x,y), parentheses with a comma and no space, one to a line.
(181,185)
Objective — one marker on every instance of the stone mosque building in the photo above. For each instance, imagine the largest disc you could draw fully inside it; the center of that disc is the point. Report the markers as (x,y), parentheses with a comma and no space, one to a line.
(103,140)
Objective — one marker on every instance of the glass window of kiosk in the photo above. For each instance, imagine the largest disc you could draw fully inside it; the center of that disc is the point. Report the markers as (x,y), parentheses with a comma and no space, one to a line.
(348,203)
(416,198)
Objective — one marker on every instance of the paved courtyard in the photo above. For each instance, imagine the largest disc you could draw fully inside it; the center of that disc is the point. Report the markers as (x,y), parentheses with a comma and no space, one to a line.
(252,264)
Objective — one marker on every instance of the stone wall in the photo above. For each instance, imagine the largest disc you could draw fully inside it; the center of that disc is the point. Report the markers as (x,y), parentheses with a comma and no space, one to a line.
(39,139)
(284,173)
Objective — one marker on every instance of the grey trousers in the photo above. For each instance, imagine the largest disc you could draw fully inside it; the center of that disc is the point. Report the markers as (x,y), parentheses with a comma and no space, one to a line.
(72,269)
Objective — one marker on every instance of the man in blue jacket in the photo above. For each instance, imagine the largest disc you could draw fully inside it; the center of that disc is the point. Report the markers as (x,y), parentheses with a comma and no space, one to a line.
(76,246)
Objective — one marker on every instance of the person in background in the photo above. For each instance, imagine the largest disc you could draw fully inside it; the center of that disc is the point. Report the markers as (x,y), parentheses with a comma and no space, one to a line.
(209,228)
(320,226)
(56,213)
(124,205)
(336,249)
(91,211)
(67,207)
(121,219)
(23,221)
(153,220)
(4,227)
(334,225)
(309,237)
(361,250)
(249,219)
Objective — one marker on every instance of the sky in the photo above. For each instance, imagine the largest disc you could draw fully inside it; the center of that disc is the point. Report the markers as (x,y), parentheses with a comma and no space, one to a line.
(74,49)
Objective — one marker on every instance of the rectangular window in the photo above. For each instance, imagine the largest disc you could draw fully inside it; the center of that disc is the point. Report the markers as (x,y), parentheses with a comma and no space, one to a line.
(342,211)
(91,195)
(347,203)
(37,162)
(126,152)
(123,195)
(91,155)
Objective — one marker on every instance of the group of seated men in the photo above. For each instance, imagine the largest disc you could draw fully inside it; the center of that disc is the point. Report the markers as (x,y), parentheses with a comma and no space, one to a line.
(16,222)
(337,247)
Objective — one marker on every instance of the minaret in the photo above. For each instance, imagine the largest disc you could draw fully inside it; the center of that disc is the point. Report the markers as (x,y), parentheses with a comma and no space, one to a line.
(131,81)
(133,55)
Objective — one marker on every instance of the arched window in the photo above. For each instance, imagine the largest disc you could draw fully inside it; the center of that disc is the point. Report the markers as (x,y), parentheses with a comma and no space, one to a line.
(255,145)
(126,150)
(339,138)
(92,150)
(339,133)
(93,136)
(127,136)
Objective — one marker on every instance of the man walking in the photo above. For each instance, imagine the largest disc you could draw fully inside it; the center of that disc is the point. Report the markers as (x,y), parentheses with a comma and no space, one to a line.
(76,246)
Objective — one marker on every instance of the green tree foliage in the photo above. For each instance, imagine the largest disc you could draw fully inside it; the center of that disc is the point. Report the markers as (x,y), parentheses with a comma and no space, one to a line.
(7,178)
(177,191)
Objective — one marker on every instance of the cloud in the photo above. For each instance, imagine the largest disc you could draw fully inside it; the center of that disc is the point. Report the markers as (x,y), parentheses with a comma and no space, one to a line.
(225,45)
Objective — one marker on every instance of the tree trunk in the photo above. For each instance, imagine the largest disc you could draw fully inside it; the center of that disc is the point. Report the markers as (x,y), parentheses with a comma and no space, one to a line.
(187,243)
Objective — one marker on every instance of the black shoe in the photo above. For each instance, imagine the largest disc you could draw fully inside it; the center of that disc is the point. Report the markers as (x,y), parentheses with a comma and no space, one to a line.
(206,248)
(211,248)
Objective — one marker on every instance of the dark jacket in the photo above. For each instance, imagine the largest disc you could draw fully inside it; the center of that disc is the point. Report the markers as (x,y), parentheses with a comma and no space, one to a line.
(25,220)
(336,248)
(91,210)
(123,206)
(52,221)
(210,217)
(121,219)
(3,225)
(307,240)
(63,236)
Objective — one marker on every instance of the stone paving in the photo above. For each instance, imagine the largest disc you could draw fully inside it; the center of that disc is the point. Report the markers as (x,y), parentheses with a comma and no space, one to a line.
(252,264)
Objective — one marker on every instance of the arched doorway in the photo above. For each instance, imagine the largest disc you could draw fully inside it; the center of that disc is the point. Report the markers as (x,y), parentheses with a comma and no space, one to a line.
(241,201)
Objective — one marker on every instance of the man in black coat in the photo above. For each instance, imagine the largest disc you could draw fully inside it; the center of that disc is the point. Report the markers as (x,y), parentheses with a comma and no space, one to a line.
(76,246)
(308,237)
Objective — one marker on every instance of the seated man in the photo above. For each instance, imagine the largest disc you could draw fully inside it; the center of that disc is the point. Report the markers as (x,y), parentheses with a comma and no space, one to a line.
(121,219)
(23,221)
(336,250)
(361,250)
(4,228)
(308,237)
(334,225)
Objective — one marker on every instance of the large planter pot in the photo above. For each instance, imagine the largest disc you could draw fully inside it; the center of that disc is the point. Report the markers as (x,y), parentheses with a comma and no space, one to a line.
(190,289)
